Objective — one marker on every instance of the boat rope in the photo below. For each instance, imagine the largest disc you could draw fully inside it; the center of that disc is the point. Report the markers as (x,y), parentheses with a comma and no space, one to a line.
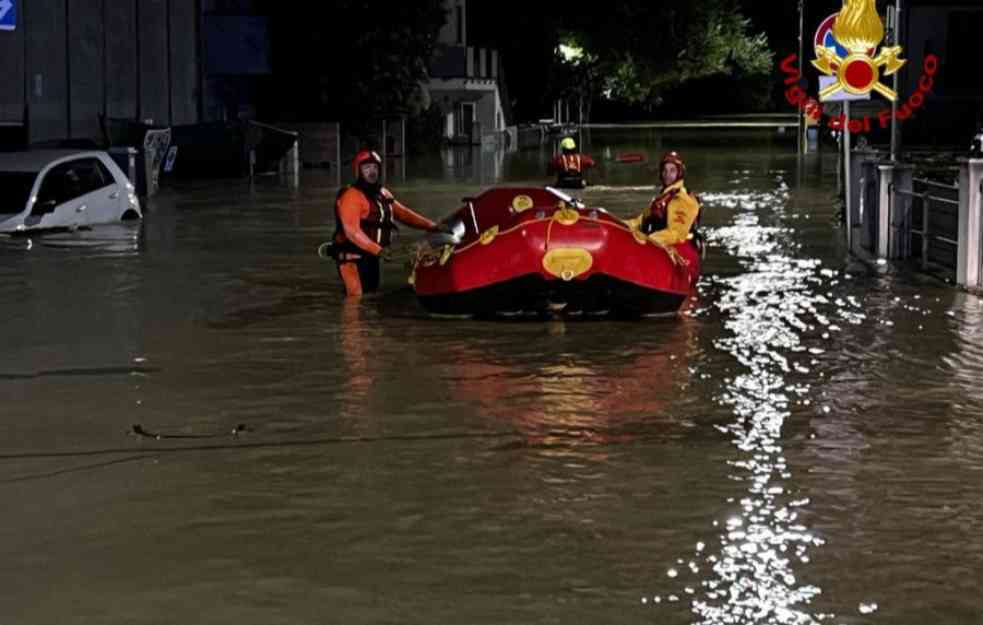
(519,226)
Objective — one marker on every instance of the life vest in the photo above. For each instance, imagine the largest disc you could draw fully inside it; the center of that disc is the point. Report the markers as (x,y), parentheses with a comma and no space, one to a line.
(658,215)
(571,164)
(378,225)
(570,174)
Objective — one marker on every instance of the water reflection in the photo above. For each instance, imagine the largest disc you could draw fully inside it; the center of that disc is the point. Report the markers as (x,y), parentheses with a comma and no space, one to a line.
(775,314)
(615,390)
(356,336)
(122,239)
(555,383)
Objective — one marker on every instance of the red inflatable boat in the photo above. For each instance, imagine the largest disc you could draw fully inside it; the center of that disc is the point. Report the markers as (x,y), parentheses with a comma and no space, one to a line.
(537,251)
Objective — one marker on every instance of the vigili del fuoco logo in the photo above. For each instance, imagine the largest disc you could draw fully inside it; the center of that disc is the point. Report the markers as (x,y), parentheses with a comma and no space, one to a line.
(850,67)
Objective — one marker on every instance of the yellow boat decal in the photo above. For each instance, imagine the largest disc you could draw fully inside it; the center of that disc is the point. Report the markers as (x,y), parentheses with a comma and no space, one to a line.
(567,263)
(521,203)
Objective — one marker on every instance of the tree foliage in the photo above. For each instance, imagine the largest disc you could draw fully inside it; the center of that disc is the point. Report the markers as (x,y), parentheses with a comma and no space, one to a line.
(353,59)
(639,50)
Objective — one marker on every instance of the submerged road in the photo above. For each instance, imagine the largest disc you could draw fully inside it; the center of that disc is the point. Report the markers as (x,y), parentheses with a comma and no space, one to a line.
(804,445)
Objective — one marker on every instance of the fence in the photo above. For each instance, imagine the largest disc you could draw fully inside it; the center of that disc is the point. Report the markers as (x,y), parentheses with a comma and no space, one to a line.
(934,222)
(894,215)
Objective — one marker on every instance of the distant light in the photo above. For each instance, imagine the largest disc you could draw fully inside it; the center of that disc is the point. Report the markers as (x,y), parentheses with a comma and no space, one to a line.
(570,53)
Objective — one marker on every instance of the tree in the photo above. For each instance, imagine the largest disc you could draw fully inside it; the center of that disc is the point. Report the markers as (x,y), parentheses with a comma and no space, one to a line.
(644,50)
(352,59)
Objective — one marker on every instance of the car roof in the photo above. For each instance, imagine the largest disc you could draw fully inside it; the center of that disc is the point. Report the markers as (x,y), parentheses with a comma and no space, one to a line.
(36,160)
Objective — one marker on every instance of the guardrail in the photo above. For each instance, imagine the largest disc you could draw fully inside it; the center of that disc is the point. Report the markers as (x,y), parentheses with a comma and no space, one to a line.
(892,211)
(925,234)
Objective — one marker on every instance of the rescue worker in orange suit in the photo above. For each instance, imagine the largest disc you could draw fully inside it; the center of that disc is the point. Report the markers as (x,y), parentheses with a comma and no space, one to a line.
(672,217)
(569,166)
(365,222)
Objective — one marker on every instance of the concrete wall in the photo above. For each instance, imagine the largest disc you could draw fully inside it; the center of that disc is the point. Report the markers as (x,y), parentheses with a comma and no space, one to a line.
(455,29)
(485,112)
(121,55)
(153,52)
(12,53)
(183,45)
(46,69)
(86,67)
(77,59)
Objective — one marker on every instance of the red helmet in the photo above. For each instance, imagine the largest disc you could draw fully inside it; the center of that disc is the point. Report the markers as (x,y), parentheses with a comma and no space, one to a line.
(675,159)
(365,156)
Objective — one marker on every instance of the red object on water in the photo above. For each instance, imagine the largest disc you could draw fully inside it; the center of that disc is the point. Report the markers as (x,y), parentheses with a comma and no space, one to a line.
(527,251)
(630,157)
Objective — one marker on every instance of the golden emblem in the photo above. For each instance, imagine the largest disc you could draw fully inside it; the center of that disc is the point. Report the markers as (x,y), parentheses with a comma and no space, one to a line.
(640,237)
(566,216)
(521,203)
(489,235)
(859,29)
(567,263)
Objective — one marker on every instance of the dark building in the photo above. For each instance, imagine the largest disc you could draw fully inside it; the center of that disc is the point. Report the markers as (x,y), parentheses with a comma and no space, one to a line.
(66,62)
(948,30)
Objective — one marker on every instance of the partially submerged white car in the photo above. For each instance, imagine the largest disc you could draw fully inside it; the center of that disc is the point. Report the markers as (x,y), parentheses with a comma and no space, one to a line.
(62,189)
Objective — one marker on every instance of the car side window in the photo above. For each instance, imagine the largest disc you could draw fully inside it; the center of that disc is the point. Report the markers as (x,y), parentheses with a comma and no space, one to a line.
(91,175)
(71,180)
(51,192)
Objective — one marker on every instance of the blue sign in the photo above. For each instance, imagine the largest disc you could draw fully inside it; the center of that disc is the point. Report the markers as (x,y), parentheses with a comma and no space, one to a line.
(8,14)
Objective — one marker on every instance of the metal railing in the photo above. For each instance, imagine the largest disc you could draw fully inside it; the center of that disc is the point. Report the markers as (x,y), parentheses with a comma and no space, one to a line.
(925,234)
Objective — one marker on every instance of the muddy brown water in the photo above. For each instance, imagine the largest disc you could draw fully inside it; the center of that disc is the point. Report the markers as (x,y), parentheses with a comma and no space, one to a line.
(804,445)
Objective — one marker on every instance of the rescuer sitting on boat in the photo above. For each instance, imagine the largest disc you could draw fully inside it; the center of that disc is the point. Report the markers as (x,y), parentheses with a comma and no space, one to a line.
(365,215)
(569,166)
(673,215)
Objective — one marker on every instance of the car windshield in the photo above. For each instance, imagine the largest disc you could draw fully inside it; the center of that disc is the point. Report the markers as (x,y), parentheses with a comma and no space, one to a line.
(15,189)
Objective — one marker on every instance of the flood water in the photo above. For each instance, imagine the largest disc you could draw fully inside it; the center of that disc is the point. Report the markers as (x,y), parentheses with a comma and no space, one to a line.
(803,445)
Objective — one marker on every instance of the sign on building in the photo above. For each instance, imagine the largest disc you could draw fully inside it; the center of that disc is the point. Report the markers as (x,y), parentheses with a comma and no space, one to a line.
(8,14)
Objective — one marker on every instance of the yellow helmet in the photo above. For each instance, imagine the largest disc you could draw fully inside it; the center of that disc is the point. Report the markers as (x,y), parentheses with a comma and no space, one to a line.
(568,144)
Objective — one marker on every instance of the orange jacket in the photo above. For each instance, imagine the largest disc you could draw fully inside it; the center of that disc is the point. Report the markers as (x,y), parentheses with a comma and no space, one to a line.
(353,207)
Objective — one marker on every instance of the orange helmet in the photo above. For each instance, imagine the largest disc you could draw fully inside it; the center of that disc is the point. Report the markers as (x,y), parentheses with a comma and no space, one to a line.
(675,159)
(365,156)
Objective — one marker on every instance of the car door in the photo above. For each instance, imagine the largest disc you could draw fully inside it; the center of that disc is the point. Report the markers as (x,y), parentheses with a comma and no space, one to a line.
(76,193)
(103,197)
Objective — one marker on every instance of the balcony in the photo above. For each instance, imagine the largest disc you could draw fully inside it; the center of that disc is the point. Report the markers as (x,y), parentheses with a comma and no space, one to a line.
(450,62)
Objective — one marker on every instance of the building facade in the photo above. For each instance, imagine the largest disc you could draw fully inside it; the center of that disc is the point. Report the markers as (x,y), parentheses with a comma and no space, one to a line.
(68,62)
(467,83)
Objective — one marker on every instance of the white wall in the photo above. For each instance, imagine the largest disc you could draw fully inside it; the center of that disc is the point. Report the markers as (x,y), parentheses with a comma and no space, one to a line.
(451,34)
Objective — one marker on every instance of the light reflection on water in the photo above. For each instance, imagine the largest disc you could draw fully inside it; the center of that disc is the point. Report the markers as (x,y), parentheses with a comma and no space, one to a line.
(773,312)
(105,240)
